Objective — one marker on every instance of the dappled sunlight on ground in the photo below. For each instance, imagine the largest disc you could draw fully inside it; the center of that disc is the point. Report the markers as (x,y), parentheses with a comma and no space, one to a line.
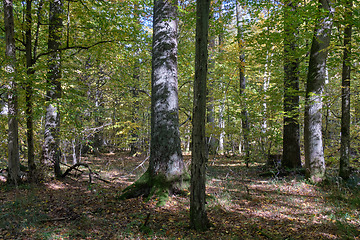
(241,205)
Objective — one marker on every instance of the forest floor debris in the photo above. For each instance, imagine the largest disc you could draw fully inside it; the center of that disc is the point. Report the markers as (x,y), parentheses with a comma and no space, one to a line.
(241,205)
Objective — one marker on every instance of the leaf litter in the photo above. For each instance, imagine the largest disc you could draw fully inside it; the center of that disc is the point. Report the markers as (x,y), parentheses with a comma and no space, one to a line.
(240,205)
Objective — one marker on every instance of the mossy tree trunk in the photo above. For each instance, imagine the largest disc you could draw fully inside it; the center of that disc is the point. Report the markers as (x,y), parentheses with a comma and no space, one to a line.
(166,166)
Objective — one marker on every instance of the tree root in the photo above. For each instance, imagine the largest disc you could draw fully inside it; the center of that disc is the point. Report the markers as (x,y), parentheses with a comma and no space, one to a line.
(158,188)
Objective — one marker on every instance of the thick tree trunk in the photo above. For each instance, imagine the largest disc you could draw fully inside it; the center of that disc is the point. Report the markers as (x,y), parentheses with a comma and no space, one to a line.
(314,153)
(244,113)
(345,96)
(198,216)
(52,117)
(13,143)
(291,134)
(165,150)
(166,166)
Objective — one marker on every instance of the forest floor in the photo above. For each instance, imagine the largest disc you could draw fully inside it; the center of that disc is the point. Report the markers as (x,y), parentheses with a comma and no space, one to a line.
(241,205)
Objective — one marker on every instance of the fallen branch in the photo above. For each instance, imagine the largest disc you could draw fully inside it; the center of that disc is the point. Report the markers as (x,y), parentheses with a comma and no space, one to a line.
(54,219)
(75,166)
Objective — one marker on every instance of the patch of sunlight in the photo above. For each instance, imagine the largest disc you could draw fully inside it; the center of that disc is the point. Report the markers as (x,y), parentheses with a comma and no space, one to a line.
(329,236)
(56,185)
(2,179)
(228,164)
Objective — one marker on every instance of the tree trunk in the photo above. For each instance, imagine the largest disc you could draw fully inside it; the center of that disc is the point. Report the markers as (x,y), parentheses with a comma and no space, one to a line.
(166,166)
(345,96)
(314,153)
(210,110)
(13,143)
(52,117)
(244,113)
(135,145)
(29,93)
(291,134)
(198,216)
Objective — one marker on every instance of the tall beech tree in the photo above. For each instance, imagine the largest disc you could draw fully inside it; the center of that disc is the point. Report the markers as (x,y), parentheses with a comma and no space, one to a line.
(13,135)
(198,216)
(51,148)
(291,133)
(345,94)
(314,152)
(166,166)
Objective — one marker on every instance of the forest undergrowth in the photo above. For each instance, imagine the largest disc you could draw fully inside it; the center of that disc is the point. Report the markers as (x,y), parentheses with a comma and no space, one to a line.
(241,205)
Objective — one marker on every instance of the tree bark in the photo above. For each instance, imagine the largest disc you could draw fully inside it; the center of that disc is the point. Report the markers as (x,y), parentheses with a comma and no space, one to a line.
(314,153)
(244,112)
(13,142)
(291,134)
(52,117)
(166,170)
(345,95)
(29,92)
(198,216)
(165,148)
(210,109)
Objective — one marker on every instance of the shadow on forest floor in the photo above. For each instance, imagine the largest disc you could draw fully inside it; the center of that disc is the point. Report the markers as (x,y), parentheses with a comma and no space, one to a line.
(241,205)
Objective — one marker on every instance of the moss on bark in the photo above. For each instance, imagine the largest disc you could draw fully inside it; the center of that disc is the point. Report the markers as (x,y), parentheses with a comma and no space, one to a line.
(157,187)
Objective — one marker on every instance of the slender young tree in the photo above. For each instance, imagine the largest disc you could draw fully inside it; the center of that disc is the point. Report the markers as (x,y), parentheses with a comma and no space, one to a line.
(13,142)
(314,153)
(244,112)
(166,166)
(51,146)
(291,134)
(345,94)
(210,108)
(29,92)
(198,216)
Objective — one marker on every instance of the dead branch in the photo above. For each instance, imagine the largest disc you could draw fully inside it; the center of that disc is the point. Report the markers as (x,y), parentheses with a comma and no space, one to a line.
(75,167)
(54,219)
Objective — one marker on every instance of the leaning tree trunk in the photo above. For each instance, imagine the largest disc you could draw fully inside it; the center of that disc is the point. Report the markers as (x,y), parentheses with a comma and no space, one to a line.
(198,216)
(345,96)
(52,117)
(291,134)
(13,143)
(314,153)
(166,167)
